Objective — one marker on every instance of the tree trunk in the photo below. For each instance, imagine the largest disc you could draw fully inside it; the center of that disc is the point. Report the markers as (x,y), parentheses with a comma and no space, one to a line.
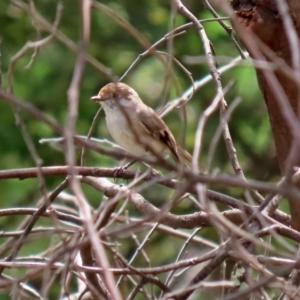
(271,38)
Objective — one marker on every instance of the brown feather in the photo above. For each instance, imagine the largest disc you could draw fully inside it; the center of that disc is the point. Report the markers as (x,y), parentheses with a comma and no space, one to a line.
(156,127)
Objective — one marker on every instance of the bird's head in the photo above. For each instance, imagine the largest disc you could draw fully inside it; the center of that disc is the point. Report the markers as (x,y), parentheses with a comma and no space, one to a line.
(117,93)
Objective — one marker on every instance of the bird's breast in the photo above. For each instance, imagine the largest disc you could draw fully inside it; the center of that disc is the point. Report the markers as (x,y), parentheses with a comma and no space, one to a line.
(129,133)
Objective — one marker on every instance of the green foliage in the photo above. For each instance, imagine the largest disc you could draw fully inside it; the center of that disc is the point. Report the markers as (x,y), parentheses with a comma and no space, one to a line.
(46,82)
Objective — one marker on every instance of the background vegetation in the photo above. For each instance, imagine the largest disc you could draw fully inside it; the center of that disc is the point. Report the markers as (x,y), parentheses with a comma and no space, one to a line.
(42,77)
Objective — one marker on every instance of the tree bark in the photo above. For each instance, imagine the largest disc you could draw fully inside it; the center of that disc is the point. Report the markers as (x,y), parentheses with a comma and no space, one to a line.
(264,20)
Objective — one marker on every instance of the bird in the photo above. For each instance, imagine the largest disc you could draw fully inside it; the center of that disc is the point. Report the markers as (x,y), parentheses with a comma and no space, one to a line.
(136,127)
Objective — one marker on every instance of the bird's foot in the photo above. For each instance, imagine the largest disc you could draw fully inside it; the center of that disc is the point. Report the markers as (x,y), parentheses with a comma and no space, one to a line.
(121,169)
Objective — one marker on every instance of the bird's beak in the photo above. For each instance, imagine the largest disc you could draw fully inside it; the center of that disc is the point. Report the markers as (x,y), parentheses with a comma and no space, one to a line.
(96,98)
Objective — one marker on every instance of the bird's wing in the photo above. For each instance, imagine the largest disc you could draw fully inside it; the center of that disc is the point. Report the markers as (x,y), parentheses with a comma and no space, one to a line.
(156,127)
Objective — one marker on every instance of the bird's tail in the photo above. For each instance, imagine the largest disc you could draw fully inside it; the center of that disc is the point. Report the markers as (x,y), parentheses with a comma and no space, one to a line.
(186,158)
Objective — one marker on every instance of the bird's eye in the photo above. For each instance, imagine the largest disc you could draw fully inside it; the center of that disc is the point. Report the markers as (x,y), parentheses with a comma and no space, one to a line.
(114,95)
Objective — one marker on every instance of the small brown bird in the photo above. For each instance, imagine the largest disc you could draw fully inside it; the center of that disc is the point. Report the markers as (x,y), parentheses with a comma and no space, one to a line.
(135,126)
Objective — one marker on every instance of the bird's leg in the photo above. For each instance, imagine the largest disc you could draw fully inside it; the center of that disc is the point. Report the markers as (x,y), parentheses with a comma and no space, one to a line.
(123,168)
